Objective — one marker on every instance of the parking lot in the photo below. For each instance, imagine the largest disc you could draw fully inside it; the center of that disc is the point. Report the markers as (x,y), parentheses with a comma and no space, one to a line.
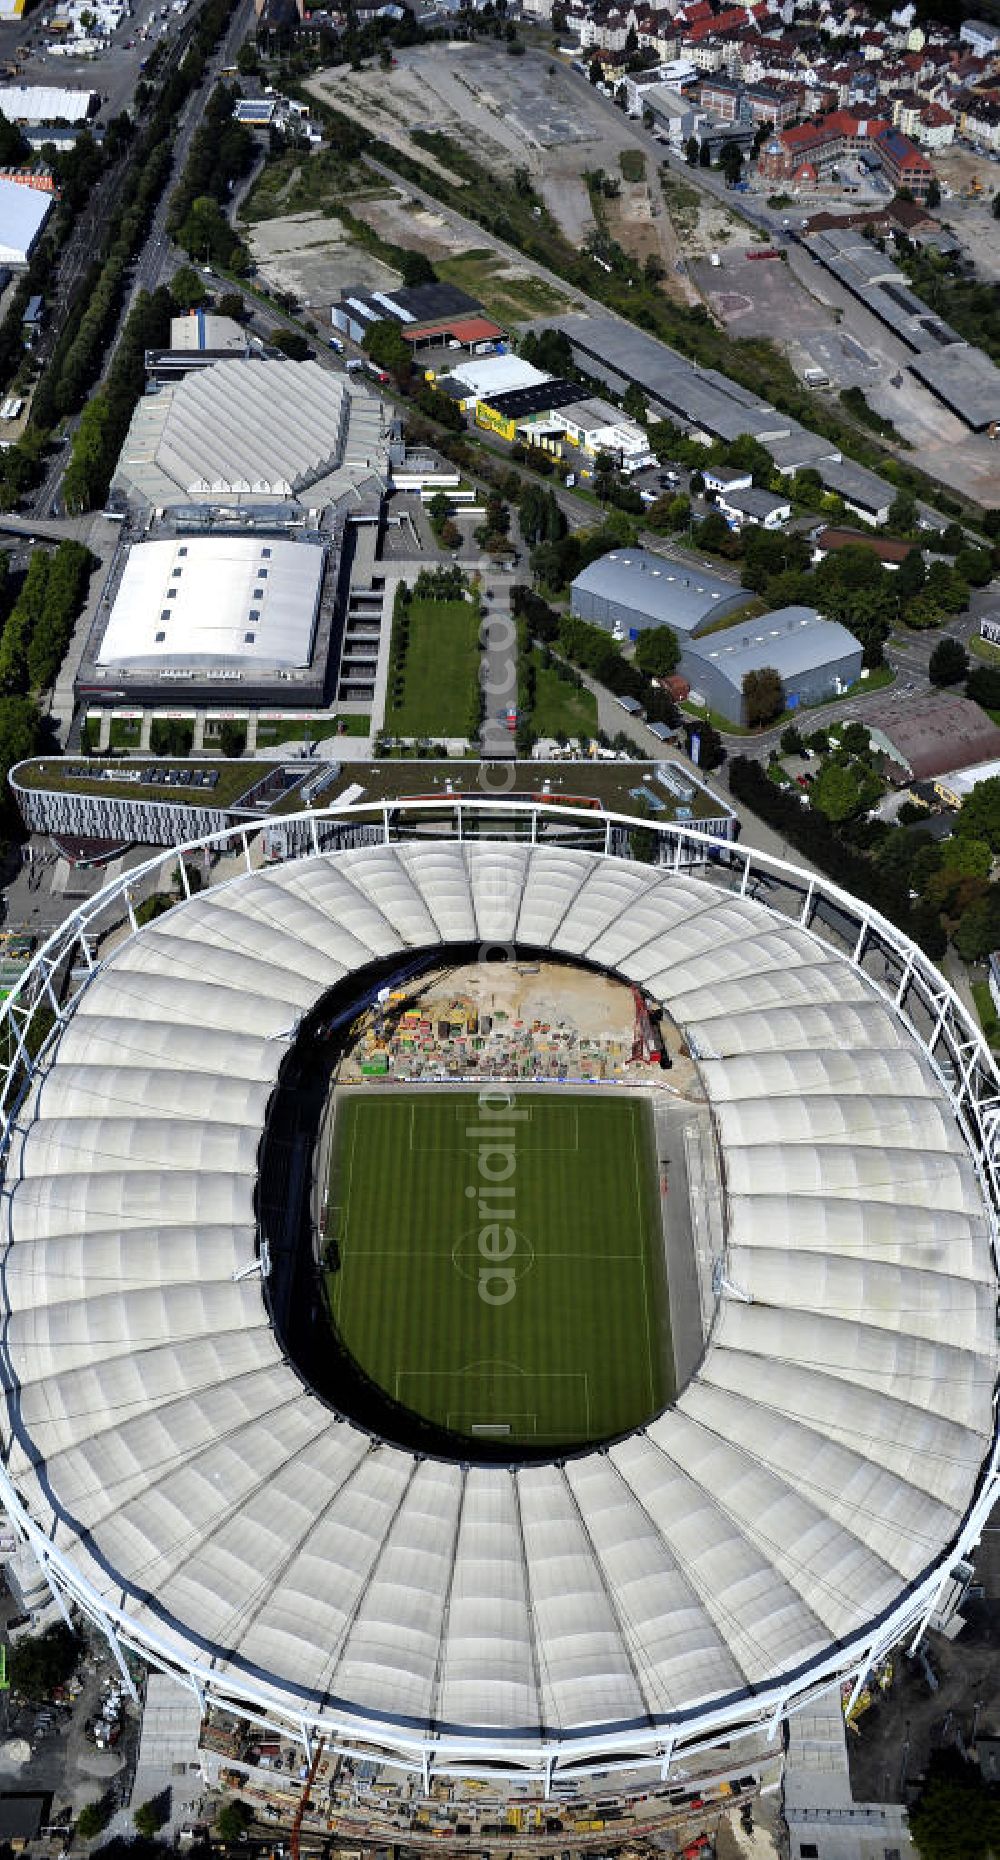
(112,71)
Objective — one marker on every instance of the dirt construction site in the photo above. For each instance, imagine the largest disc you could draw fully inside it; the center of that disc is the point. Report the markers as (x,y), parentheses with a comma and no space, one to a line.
(533,113)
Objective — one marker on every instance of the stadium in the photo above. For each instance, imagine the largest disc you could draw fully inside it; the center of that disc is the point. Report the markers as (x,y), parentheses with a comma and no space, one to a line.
(482,1583)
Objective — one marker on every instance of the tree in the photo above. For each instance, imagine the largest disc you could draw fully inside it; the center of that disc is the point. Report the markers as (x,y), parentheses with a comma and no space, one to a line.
(691,151)
(836,792)
(956,1815)
(949,663)
(187,289)
(713,532)
(910,576)
(763,696)
(292,343)
(44,1661)
(704,155)
(416,268)
(657,651)
(233,1821)
(791,741)
(731,163)
(947,588)
(984,686)
(976,937)
(93,1819)
(233,739)
(387,348)
(149,1818)
(974,565)
(979,815)
(903,513)
(248,59)
(596,70)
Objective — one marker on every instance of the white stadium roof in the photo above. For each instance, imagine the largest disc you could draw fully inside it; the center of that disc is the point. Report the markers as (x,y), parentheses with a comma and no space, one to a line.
(211,600)
(23,212)
(818,1465)
(249,430)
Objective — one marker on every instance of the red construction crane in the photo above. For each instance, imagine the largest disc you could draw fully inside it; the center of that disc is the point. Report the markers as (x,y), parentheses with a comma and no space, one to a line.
(304,1799)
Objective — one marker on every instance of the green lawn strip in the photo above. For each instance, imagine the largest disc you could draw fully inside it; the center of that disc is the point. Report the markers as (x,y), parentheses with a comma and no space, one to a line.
(440,673)
(234,780)
(561,706)
(125,733)
(311,729)
(576,1352)
(986,1010)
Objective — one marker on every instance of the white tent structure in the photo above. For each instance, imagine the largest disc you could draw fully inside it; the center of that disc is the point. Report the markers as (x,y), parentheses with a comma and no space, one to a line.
(792,1513)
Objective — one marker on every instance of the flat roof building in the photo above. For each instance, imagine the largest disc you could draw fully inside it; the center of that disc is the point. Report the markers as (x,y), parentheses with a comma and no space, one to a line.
(632,589)
(24,209)
(429,315)
(215,600)
(202,329)
(203,618)
(495,375)
(814,658)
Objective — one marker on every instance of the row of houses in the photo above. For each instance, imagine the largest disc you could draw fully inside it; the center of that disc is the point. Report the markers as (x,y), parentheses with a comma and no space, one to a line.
(803,59)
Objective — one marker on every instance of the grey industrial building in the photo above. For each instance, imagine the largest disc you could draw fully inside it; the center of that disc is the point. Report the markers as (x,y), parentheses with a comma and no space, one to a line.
(958,373)
(631,589)
(710,406)
(814,658)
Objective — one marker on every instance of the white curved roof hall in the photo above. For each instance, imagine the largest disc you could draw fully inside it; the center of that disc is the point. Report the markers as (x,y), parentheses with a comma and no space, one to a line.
(818,1464)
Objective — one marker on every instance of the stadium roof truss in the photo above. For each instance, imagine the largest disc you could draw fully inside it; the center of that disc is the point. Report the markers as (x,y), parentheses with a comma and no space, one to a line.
(697,1580)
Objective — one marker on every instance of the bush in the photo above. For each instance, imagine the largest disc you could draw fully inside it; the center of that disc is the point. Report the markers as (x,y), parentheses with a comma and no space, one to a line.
(233,1821)
(170,736)
(233,739)
(39,1664)
(93,1819)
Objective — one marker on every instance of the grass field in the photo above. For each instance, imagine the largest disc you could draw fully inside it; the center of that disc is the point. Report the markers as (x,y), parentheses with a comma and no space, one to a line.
(441,671)
(564,1340)
(560,705)
(512,296)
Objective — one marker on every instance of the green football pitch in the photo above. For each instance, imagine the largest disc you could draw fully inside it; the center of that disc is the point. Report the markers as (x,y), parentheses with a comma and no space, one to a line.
(532,1311)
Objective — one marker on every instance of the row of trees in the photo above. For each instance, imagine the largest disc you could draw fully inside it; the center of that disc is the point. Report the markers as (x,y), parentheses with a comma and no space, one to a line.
(832,850)
(104,422)
(222,153)
(39,627)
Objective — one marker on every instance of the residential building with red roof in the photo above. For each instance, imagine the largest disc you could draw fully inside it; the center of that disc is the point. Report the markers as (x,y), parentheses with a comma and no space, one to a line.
(812,149)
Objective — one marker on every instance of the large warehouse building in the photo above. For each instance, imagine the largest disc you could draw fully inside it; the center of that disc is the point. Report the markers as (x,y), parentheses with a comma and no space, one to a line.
(196,615)
(640,1607)
(632,589)
(814,658)
(247,432)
